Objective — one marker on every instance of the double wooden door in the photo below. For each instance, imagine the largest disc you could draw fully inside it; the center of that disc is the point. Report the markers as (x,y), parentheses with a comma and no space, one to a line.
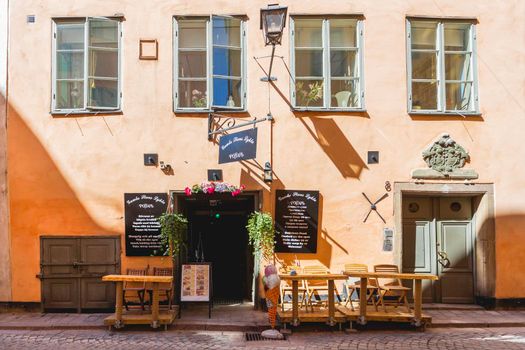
(71,269)
(438,239)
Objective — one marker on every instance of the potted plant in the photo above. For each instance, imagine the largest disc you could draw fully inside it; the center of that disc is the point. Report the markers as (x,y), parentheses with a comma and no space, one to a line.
(173,236)
(261,235)
(312,94)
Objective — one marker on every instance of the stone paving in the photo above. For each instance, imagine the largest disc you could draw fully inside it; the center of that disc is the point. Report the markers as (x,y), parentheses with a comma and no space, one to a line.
(465,338)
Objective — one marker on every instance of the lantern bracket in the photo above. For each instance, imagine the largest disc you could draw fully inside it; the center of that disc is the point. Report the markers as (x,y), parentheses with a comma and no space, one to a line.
(219,123)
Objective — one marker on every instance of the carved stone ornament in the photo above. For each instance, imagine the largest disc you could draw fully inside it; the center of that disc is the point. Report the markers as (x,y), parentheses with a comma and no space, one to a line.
(445,158)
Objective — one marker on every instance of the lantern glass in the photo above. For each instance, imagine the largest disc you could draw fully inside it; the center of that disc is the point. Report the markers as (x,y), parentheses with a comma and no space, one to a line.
(273,21)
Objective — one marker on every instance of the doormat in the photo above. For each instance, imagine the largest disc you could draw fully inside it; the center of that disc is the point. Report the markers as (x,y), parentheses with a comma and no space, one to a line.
(256,336)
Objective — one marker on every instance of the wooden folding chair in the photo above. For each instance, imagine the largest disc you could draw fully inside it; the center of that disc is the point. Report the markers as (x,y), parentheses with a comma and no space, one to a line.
(286,287)
(350,288)
(314,287)
(165,288)
(394,288)
(139,287)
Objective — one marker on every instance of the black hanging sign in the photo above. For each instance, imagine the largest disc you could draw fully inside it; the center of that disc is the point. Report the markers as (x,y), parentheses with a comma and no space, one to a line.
(239,146)
(296,217)
(141,211)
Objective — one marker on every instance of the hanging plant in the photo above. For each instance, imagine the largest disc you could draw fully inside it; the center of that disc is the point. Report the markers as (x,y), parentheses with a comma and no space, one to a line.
(172,232)
(214,187)
(261,234)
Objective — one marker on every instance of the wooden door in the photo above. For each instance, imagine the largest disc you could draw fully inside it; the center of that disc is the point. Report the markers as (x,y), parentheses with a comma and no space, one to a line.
(71,271)
(454,248)
(419,252)
(59,276)
(438,239)
(98,257)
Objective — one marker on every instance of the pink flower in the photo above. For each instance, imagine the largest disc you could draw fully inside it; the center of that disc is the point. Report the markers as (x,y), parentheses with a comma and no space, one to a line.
(242,187)
(211,190)
(187,191)
(236,193)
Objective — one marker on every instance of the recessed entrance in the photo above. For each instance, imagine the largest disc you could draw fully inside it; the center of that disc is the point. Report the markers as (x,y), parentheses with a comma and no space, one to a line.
(217,234)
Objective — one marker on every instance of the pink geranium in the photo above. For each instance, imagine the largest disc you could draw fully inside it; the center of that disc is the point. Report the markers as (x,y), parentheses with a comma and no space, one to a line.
(210,190)
(187,191)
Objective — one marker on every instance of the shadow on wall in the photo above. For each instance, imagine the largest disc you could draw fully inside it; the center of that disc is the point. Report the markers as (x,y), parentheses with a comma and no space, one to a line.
(336,146)
(41,203)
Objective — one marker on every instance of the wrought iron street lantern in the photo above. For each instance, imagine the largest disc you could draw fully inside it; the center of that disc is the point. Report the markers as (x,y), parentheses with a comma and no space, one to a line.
(273,21)
(268,173)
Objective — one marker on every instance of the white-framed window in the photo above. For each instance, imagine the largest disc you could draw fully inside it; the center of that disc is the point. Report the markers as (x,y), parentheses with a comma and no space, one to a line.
(442,68)
(327,63)
(86,65)
(209,63)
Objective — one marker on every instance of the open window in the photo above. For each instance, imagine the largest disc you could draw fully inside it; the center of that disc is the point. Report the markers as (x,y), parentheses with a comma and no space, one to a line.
(86,65)
(209,63)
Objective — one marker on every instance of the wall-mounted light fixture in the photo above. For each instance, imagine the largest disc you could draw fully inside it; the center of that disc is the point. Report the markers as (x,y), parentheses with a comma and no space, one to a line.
(273,21)
(268,173)
(151,159)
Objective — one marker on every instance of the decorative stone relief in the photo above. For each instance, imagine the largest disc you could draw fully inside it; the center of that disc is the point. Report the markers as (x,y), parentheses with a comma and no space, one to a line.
(445,159)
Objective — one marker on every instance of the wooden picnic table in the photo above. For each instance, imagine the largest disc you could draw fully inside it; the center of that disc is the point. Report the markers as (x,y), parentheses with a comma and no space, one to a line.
(155,318)
(321,277)
(418,292)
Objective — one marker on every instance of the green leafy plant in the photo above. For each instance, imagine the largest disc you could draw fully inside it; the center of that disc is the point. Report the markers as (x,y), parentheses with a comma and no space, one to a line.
(312,94)
(261,234)
(172,232)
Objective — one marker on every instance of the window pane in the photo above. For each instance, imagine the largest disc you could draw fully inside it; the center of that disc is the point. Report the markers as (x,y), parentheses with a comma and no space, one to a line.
(424,65)
(345,93)
(457,66)
(103,33)
(226,62)
(424,95)
(227,92)
(69,94)
(192,94)
(70,65)
(226,31)
(192,64)
(458,96)
(103,93)
(309,63)
(192,34)
(309,93)
(308,33)
(343,33)
(103,63)
(457,37)
(423,35)
(343,63)
(70,36)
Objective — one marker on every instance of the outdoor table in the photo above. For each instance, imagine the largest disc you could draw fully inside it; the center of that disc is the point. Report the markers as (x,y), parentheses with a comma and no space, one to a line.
(295,293)
(118,320)
(418,292)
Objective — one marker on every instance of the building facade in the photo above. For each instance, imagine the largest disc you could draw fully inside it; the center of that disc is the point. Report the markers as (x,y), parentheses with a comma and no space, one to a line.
(418,100)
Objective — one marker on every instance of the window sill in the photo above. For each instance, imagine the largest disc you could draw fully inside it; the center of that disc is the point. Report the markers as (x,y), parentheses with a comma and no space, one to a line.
(206,111)
(445,113)
(91,113)
(329,110)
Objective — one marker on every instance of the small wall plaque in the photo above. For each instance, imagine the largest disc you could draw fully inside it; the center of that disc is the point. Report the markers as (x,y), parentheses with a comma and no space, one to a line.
(388,239)
(148,49)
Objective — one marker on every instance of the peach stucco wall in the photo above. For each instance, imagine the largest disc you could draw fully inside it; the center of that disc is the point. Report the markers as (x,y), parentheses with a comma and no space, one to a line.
(68,174)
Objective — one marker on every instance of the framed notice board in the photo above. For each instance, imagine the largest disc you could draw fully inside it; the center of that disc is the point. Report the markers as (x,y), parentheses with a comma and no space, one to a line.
(142,212)
(296,218)
(196,283)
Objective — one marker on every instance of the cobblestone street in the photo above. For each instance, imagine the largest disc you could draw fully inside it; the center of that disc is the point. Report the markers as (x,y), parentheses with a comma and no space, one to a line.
(500,338)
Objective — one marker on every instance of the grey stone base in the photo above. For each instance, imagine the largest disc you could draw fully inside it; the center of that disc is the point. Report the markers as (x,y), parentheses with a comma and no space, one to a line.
(458,174)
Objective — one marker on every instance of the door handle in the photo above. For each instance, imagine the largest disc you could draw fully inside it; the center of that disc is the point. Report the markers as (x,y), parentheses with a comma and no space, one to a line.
(443,259)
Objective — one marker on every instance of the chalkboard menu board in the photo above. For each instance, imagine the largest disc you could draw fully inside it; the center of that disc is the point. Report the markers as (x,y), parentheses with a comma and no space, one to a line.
(296,217)
(142,211)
